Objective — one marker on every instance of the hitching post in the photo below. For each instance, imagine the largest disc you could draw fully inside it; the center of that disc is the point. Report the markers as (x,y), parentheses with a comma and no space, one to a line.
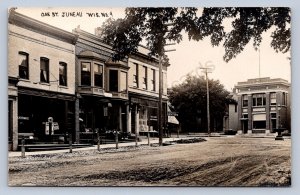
(23,146)
(70,142)
(98,140)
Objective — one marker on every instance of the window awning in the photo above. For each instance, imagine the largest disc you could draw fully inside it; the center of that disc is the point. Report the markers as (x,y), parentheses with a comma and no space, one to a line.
(173,120)
(259,117)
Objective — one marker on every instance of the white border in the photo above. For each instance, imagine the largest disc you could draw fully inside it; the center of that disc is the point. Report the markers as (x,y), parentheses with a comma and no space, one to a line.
(4,189)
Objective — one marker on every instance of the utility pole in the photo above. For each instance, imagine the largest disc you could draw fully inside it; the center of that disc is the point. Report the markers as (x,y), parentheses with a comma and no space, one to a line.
(160,92)
(207,69)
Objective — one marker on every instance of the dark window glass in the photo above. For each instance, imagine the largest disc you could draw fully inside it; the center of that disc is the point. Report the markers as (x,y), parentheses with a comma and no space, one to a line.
(86,73)
(145,78)
(135,75)
(98,75)
(62,74)
(23,65)
(113,80)
(44,73)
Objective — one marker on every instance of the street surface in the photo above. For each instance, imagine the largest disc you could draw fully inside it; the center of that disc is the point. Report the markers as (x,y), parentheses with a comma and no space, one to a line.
(225,161)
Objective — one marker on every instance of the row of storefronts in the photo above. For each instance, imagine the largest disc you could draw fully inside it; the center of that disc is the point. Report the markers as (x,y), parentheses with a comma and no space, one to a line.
(63,83)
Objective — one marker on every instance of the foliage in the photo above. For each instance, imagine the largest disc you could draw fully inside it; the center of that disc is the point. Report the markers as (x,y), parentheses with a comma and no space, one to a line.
(189,100)
(151,25)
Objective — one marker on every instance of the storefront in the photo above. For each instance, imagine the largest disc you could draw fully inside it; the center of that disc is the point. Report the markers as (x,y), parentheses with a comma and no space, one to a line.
(36,107)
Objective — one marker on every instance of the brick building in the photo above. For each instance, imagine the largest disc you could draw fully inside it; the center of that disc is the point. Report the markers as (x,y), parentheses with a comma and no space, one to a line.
(263,105)
(41,79)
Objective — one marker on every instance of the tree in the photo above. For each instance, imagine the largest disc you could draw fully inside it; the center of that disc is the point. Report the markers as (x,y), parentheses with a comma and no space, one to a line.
(189,100)
(151,24)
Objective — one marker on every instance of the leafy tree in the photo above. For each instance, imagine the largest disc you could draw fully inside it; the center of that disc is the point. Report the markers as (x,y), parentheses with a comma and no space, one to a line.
(189,100)
(150,24)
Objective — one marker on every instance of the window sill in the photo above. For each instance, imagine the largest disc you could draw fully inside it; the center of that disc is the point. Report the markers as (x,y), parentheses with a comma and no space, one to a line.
(62,86)
(43,83)
(25,80)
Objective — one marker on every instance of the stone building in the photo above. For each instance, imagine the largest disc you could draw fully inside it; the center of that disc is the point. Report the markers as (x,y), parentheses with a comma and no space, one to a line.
(41,80)
(263,105)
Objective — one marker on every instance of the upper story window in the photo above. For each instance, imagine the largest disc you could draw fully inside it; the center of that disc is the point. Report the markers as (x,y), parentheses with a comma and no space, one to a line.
(62,74)
(113,80)
(98,75)
(245,100)
(273,100)
(284,97)
(86,73)
(123,81)
(145,77)
(44,73)
(135,75)
(153,80)
(23,65)
(259,100)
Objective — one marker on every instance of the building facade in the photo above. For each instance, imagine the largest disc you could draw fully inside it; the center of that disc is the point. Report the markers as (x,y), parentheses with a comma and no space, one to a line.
(70,79)
(41,80)
(101,87)
(263,105)
(121,96)
(143,89)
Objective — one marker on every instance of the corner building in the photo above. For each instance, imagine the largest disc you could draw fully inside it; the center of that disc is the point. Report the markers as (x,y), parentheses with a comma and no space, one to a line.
(263,105)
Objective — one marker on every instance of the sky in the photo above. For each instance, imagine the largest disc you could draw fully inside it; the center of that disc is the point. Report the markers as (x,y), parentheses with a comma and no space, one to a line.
(189,55)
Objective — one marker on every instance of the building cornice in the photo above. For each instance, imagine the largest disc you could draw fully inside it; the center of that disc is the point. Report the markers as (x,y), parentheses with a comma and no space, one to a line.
(26,22)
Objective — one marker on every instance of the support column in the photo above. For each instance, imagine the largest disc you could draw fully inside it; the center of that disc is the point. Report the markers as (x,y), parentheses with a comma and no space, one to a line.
(239,113)
(120,118)
(250,113)
(77,128)
(268,127)
(278,108)
(137,121)
(128,117)
(15,124)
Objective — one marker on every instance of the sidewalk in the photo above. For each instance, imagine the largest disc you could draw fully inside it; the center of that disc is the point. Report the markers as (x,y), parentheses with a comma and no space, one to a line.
(104,146)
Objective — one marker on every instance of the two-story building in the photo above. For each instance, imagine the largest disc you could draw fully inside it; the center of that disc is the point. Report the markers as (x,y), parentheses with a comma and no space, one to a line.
(263,105)
(41,75)
(143,89)
(120,95)
(101,85)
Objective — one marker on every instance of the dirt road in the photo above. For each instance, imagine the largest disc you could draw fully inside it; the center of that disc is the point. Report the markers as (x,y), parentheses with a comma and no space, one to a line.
(216,162)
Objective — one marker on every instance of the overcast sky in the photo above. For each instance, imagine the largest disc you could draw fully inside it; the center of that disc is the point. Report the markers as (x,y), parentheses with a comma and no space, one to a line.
(189,54)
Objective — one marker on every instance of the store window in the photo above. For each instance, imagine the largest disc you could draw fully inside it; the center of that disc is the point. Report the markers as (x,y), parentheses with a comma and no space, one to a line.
(98,75)
(23,65)
(86,73)
(44,73)
(62,74)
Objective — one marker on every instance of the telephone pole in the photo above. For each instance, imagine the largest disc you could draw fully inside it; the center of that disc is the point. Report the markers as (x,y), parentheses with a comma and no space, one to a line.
(206,70)
(160,92)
